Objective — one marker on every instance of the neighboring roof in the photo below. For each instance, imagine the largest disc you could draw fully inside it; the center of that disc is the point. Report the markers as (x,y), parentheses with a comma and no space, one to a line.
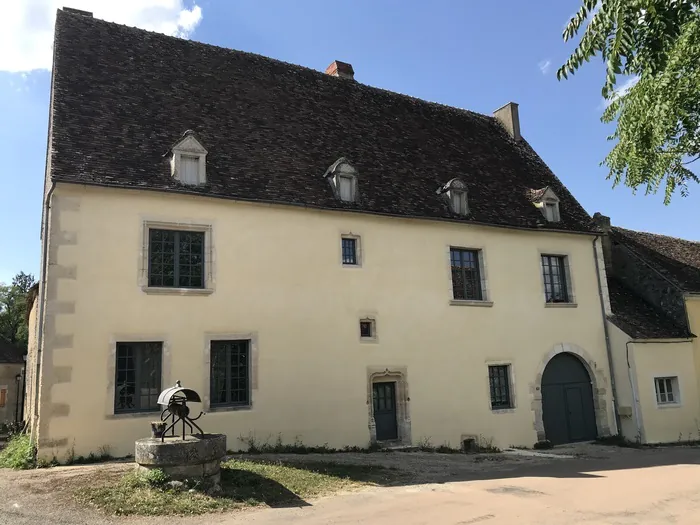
(676,259)
(122,96)
(637,318)
(9,353)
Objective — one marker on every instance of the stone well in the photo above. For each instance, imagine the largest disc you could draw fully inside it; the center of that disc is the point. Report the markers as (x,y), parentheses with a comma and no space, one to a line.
(197,457)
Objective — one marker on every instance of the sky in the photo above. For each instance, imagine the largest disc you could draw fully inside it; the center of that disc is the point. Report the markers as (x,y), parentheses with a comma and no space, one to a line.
(466,53)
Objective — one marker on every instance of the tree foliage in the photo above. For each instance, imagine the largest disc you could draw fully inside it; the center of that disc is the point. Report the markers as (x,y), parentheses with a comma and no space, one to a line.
(13,304)
(656,45)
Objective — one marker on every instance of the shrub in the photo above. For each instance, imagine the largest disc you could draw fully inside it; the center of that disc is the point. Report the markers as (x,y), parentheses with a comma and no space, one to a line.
(543,445)
(18,454)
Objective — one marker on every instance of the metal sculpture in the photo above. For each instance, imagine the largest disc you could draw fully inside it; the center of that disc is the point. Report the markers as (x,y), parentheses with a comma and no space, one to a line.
(175,400)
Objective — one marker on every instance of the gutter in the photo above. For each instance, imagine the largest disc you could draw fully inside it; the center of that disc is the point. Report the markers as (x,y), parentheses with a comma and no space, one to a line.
(608,350)
(41,298)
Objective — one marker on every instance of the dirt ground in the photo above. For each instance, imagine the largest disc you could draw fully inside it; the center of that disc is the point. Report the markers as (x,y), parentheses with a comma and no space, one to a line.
(599,485)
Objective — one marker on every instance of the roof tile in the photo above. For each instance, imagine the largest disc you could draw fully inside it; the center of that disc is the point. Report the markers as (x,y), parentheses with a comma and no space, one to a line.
(122,96)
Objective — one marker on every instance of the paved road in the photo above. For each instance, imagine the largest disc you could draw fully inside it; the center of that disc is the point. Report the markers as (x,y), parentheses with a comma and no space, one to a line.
(622,487)
(648,487)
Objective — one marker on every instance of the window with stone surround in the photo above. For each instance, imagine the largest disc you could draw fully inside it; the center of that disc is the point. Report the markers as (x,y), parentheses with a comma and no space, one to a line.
(667,391)
(138,376)
(467,281)
(556,278)
(499,387)
(230,373)
(176,259)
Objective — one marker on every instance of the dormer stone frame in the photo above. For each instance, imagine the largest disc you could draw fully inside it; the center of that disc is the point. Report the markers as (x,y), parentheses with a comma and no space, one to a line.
(188,147)
(548,204)
(456,195)
(342,176)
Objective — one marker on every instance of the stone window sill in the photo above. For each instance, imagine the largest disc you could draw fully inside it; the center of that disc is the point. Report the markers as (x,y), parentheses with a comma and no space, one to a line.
(510,410)
(664,406)
(177,291)
(150,414)
(467,302)
(560,305)
(229,408)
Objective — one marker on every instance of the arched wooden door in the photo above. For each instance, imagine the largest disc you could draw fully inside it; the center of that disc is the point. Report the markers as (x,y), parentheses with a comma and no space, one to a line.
(567,401)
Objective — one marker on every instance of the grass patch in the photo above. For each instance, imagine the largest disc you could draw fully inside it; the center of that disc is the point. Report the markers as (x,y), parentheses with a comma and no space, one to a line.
(244,483)
(18,453)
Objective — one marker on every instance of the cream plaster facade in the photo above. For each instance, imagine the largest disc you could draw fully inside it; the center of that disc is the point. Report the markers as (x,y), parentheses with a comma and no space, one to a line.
(276,278)
(637,364)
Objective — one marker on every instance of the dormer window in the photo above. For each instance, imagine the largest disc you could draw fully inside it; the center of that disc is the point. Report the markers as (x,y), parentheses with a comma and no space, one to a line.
(551,210)
(342,177)
(456,193)
(547,202)
(188,161)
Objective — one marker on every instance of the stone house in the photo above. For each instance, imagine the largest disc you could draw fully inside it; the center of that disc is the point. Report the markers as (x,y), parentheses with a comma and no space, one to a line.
(654,287)
(322,260)
(11,382)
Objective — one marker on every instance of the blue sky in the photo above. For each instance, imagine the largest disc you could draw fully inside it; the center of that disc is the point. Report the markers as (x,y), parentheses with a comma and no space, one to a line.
(465,53)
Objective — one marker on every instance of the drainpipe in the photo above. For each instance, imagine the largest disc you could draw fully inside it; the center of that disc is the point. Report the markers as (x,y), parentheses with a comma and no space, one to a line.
(635,393)
(608,350)
(40,317)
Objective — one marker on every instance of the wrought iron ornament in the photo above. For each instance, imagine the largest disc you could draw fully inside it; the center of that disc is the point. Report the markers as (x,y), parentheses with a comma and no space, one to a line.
(175,400)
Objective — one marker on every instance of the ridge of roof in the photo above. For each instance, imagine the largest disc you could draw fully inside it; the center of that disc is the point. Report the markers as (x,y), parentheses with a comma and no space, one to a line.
(273,128)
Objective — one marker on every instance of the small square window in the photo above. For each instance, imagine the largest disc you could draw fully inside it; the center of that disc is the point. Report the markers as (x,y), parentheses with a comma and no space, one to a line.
(367,329)
(349,246)
(667,391)
(499,386)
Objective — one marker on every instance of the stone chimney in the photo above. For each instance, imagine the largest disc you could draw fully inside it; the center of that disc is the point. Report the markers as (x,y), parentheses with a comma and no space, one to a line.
(602,225)
(509,119)
(341,69)
(77,11)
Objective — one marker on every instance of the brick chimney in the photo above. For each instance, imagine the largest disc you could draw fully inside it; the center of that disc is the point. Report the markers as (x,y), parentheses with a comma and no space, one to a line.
(508,117)
(341,69)
(602,225)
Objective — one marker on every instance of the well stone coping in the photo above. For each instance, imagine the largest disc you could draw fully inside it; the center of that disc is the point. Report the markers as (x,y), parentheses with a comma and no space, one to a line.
(197,449)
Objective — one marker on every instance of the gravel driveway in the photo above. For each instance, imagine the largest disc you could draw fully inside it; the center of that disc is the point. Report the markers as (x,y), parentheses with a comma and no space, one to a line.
(45,496)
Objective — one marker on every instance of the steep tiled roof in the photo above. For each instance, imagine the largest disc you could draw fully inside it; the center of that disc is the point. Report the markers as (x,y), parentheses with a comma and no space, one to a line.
(123,96)
(676,259)
(9,353)
(637,318)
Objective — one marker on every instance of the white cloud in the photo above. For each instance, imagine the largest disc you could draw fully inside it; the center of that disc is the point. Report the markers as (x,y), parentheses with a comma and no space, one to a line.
(27,34)
(621,91)
(544,66)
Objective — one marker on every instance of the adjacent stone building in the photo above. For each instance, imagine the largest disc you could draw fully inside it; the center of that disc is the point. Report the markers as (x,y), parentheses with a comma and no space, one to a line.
(654,286)
(11,382)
